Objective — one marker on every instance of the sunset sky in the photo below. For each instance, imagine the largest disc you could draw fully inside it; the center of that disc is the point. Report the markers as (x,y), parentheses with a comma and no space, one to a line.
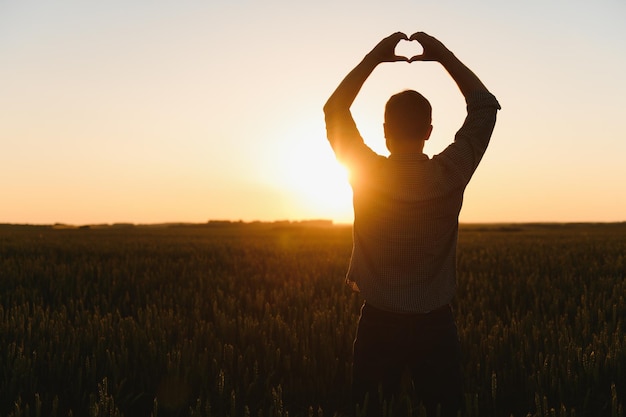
(154,111)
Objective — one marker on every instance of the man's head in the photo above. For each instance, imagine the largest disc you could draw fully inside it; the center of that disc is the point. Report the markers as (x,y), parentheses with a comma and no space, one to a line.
(408,117)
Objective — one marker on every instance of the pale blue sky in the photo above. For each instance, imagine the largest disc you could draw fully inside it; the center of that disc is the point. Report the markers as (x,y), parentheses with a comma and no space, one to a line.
(151,111)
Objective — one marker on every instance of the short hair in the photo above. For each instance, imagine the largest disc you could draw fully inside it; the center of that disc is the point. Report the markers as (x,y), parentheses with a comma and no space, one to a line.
(408,114)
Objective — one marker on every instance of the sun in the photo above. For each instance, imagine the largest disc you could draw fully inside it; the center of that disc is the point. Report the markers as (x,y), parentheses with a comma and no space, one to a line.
(306,168)
(321,184)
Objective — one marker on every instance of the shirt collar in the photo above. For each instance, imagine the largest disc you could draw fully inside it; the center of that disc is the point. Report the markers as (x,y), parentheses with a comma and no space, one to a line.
(411,156)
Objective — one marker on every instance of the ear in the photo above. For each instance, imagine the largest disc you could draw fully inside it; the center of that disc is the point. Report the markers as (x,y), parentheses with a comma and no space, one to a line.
(387,137)
(427,135)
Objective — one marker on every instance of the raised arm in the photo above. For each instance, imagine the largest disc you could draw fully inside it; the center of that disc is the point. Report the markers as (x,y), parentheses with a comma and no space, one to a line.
(463,156)
(346,92)
(434,50)
(341,129)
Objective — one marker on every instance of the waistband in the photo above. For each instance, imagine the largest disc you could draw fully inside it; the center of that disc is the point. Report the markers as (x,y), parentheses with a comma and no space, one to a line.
(367,307)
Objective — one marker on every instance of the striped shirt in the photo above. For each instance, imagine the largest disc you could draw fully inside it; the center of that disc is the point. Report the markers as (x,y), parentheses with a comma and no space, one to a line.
(406,209)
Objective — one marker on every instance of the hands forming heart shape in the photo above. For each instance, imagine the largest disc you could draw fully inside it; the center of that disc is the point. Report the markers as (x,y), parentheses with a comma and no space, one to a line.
(409,49)
(394,48)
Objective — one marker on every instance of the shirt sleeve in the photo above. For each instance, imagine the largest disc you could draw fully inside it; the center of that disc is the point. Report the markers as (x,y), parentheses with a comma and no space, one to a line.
(347,143)
(461,158)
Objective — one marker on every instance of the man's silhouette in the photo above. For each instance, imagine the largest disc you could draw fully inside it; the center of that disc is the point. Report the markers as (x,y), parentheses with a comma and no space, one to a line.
(406,209)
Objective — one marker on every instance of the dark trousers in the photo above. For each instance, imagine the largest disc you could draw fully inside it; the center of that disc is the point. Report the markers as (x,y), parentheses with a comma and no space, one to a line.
(404,360)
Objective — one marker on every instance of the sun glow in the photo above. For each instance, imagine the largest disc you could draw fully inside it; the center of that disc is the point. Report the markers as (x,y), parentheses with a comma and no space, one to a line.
(321,185)
(310,173)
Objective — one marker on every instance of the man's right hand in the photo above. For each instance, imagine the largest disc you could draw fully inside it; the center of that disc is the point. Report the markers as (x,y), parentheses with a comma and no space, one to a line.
(434,50)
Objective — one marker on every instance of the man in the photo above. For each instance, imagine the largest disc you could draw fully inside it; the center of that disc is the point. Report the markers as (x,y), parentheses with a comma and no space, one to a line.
(406,209)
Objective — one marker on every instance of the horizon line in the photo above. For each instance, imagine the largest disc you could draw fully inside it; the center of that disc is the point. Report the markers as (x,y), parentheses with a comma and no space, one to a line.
(310,222)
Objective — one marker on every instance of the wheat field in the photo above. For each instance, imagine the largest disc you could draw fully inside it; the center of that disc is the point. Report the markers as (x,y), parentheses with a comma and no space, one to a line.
(253,319)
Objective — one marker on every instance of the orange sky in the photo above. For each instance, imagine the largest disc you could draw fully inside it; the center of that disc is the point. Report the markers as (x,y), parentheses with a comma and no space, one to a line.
(191,111)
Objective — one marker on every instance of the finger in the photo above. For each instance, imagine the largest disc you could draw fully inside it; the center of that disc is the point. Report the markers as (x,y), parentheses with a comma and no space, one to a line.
(420,57)
(401,36)
(397,58)
(397,37)
(417,35)
(394,38)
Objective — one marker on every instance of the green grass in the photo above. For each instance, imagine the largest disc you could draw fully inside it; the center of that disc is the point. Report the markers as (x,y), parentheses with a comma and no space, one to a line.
(254,319)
